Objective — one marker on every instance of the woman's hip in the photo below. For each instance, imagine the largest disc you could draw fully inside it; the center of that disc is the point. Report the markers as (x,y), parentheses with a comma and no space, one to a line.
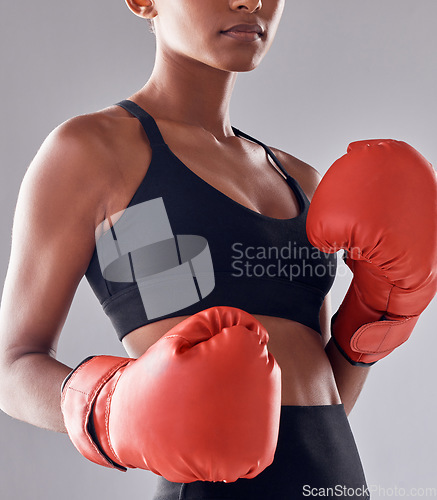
(316,455)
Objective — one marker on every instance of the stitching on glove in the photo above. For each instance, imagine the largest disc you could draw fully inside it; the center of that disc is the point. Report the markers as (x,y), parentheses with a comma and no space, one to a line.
(78,390)
(388,323)
(107,409)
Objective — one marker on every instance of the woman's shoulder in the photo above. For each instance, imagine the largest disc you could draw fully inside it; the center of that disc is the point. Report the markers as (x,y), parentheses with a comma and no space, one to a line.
(306,175)
(95,135)
(98,150)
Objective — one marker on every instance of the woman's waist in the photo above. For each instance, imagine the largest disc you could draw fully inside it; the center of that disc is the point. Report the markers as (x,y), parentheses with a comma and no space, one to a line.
(306,373)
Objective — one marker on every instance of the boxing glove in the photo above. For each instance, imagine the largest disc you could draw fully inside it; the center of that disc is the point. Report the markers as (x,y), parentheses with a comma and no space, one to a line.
(202,403)
(378,203)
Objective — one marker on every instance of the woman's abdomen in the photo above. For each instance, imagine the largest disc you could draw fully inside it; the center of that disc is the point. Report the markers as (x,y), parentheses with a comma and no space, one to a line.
(307,377)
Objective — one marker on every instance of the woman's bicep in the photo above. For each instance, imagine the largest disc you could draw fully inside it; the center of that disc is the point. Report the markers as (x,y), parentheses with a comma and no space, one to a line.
(52,243)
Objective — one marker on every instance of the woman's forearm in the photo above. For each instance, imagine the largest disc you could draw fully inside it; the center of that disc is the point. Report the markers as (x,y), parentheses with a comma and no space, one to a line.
(30,390)
(349,378)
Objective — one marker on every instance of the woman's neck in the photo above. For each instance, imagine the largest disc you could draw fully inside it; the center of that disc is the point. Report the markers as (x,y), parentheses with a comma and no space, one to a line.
(187,91)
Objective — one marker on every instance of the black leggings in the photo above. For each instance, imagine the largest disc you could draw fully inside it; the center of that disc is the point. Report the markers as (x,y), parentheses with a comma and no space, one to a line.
(316,456)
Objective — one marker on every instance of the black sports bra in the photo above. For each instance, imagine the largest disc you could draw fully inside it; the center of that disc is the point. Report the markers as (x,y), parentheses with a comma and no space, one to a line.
(182,246)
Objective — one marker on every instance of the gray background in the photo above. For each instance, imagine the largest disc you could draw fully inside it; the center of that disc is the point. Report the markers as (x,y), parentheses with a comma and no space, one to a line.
(340,70)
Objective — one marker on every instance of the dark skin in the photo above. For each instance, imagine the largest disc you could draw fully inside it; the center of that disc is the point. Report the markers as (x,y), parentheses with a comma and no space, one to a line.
(89,168)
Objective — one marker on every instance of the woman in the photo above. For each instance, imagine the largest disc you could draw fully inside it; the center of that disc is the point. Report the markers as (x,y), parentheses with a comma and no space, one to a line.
(201,46)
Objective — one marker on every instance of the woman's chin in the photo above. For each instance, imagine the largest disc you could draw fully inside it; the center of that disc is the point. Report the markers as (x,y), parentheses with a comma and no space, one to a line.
(242,66)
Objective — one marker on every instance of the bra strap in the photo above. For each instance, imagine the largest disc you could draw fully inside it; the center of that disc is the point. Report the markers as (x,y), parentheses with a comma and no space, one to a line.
(148,123)
(291,181)
(267,149)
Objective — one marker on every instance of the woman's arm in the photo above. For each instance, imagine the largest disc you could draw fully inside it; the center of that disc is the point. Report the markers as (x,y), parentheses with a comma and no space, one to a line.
(350,379)
(58,208)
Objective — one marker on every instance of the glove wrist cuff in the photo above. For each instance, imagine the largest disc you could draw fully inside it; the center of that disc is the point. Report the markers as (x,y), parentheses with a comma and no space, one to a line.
(372,341)
(79,392)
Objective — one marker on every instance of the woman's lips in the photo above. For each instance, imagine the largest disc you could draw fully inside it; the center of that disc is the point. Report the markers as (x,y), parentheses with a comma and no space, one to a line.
(244,36)
(244,32)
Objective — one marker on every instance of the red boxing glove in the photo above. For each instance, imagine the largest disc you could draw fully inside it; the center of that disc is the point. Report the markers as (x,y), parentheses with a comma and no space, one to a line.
(379,203)
(202,403)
